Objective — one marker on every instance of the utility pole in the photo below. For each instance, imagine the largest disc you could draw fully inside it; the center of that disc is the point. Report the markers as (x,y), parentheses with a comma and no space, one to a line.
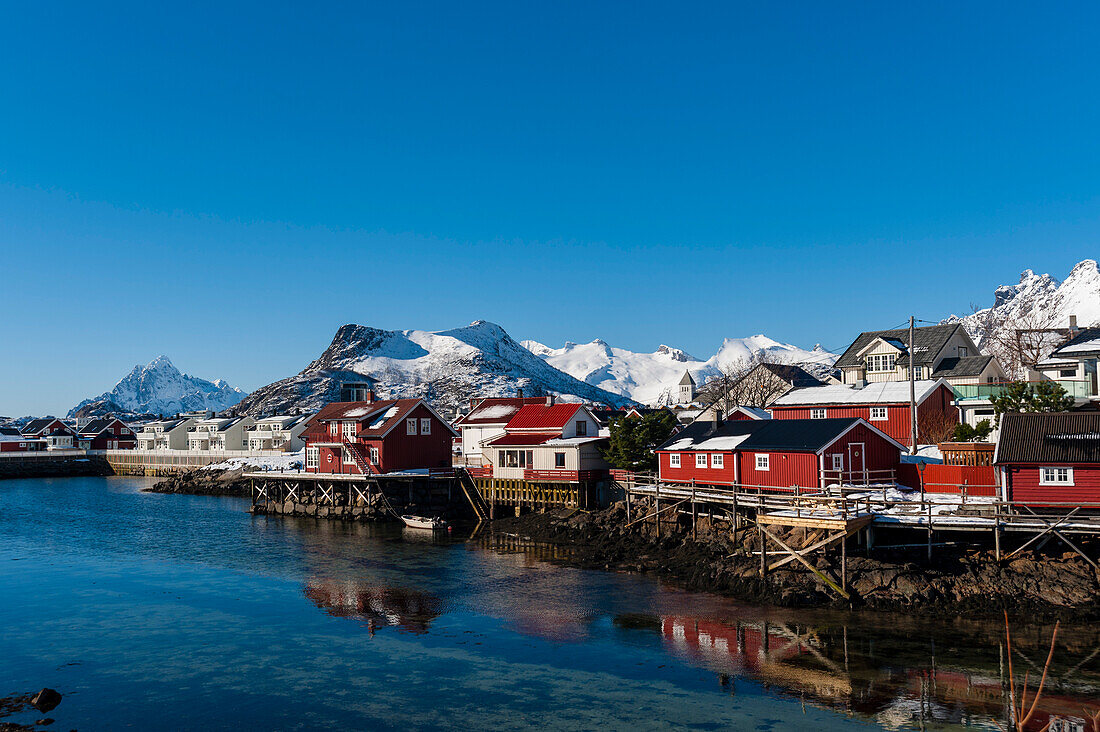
(912,393)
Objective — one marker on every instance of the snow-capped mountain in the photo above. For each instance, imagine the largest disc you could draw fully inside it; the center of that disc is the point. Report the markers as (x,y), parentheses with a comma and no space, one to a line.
(1038,301)
(160,388)
(650,378)
(447,368)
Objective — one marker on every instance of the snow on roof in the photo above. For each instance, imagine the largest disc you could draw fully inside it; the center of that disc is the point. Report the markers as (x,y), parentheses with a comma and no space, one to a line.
(720,442)
(382,418)
(883,392)
(498,411)
(572,441)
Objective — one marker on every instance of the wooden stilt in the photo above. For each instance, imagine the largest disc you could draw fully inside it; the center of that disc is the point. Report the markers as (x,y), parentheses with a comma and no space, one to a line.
(694,514)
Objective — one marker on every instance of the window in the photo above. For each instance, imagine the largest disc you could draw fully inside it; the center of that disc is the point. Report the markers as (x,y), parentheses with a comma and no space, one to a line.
(582,428)
(333,428)
(878,413)
(1055,476)
(349,459)
(425,426)
(963,351)
(349,430)
(762,462)
(312,457)
(879,362)
(500,458)
(838,463)
(817,414)
(701,460)
(410,426)
(1067,372)
(674,460)
(559,459)
(717,461)
(374,455)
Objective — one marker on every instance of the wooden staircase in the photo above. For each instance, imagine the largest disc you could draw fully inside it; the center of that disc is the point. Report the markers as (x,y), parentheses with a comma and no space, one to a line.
(366,467)
(473,495)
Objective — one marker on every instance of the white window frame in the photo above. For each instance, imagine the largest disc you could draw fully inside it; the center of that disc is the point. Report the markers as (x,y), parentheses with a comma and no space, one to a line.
(581,428)
(881,363)
(838,462)
(884,414)
(313,457)
(374,455)
(763,462)
(563,461)
(1053,474)
(425,425)
(717,460)
(410,426)
(347,457)
(674,460)
(818,413)
(700,460)
(348,429)
(334,428)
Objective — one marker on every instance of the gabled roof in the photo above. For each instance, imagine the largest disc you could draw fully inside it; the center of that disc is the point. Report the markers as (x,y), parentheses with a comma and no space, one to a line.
(794,375)
(750,412)
(38,426)
(1061,438)
(772,435)
(377,418)
(522,439)
(10,431)
(98,425)
(879,392)
(927,342)
(686,379)
(543,417)
(496,410)
(955,367)
(1085,343)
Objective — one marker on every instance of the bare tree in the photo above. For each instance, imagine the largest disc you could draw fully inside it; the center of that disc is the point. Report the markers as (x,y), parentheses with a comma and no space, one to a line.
(1020,341)
(746,382)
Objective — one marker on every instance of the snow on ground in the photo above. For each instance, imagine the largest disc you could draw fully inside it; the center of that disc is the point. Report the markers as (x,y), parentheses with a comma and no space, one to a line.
(929,454)
(283,461)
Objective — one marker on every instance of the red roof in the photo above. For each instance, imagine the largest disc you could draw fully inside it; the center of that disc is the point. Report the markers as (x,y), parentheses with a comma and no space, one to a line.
(524,438)
(377,417)
(496,410)
(542,417)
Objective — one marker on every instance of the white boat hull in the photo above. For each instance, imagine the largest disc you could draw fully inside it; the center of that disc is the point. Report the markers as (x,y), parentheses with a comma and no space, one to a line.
(422,522)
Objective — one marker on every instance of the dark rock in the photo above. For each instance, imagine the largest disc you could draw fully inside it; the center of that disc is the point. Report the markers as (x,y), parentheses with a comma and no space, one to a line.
(46,700)
(45,721)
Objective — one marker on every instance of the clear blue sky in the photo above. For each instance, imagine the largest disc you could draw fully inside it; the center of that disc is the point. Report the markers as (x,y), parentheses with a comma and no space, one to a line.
(227,185)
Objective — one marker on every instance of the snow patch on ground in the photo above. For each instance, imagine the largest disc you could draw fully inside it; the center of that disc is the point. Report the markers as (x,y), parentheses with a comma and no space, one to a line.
(283,462)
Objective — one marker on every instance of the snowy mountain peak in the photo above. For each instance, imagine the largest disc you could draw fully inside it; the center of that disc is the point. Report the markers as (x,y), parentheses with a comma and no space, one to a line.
(1038,301)
(160,388)
(651,378)
(447,368)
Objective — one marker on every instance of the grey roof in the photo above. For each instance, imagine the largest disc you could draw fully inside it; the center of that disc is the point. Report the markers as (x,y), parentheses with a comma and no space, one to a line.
(37,425)
(956,367)
(794,375)
(776,435)
(10,431)
(97,425)
(686,379)
(927,342)
(1058,438)
(1085,343)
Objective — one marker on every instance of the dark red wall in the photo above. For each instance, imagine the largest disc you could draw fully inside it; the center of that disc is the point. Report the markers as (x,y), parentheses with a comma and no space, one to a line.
(1024,485)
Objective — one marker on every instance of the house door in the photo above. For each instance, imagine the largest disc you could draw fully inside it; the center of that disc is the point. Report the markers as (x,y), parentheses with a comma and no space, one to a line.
(857,468)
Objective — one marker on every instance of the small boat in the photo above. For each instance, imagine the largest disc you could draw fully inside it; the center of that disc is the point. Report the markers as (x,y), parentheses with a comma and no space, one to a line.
(423,522)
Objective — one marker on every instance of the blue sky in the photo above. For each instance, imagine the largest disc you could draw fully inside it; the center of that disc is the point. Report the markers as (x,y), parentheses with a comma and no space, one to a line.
(227,184)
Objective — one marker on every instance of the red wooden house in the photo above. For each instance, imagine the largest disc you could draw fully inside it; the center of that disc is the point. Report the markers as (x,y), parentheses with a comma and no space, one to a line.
(106,433)
(770,453)
(884,404)
(56,433)
(1050,458)
(12,440)
(377,436)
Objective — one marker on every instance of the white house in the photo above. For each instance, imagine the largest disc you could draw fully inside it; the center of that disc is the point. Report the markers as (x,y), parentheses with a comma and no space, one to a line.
(279,432)
(548,441)
(219,433)
(165,434)
(487,419)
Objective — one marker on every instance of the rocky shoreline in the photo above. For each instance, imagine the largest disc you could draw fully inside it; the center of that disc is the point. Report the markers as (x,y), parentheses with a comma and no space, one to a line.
(205,483)
(956,582)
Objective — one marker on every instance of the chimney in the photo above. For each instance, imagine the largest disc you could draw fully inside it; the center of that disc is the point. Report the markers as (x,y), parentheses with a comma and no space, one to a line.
(371,396)
(1072,323)
(549,400)
(519,393)
(716,418)
(471,405)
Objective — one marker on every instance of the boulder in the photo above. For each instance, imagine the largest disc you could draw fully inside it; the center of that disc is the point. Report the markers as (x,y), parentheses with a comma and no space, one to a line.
(46,700)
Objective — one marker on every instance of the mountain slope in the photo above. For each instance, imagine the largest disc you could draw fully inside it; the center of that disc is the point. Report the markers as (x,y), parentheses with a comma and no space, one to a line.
(159,388)
(651,377)
(447,368)
(1038,301)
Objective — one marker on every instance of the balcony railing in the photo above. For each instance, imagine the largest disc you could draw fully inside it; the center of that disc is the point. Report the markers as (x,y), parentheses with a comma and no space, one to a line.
(563,476)
(1076,389)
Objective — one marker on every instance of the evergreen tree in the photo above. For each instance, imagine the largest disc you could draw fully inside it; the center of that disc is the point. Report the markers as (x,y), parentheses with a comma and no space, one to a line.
(1042,396)
(633,439)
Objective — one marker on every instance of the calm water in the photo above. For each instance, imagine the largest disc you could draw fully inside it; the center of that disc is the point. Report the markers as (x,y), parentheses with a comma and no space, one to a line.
(152,611)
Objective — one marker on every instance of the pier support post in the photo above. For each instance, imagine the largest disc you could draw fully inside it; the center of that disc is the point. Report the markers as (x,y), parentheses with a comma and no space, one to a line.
(694,513)
(844,569)
(628,504)
(763,549)
(657,505)
(997,538)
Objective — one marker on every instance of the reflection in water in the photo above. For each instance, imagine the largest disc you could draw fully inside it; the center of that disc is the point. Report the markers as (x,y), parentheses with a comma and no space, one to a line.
(411,611)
